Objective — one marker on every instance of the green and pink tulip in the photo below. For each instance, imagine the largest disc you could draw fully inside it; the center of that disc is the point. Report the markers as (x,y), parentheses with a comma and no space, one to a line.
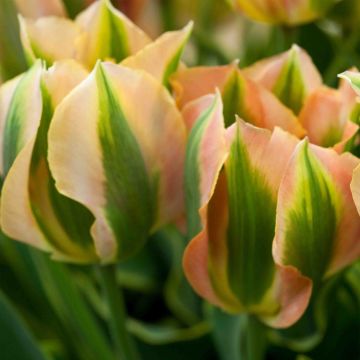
(259,242)
(285,12)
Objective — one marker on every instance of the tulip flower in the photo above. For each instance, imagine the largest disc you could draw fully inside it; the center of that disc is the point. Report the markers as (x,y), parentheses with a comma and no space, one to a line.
(253,93)
(132,186)
(99,32)
(241,96)
(285,12)
(291,76)
(251,193)
(325,113)
(102,197)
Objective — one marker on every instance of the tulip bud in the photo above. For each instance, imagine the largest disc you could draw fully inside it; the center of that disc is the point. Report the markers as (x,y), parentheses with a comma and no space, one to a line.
(285,12)
(116,145)
(109,194)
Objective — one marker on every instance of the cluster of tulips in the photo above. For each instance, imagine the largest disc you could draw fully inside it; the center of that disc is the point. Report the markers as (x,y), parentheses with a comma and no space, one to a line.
(109,136)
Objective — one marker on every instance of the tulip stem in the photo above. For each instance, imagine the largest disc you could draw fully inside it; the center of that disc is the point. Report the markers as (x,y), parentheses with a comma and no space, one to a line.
(123,343)
(253,342)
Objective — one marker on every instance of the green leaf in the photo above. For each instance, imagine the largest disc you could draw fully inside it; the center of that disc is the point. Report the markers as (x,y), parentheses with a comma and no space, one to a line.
(16,342)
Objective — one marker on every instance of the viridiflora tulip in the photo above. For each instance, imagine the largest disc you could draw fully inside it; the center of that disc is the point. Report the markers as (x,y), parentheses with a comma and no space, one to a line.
(325,113)
(241,96)
(256,202)
(282,11)
(103,196)
(285,90)
(99,32)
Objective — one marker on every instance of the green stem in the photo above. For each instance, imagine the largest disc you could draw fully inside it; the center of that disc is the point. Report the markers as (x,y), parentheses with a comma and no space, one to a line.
(124,345)
(253,339)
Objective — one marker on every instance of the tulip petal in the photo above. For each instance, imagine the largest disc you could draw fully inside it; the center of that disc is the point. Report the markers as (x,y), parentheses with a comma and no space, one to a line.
(250,167)
(161,58)
(6,94)
(324,116)
(291,76)
(131,186)
(192,83)
(316,182)
(292,292)
(21,118)
(108,34)
(49,38)
(205,154)
(353,78)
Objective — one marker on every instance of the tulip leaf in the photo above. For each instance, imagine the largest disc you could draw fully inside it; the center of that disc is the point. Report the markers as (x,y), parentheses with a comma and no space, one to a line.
(16,342)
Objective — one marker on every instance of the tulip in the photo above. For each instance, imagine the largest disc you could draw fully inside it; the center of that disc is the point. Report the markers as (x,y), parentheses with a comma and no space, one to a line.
(285,12)
(99,32)
(102,197)
(325,113)
(327,116)
(256,202)
(241,96)
(291,76)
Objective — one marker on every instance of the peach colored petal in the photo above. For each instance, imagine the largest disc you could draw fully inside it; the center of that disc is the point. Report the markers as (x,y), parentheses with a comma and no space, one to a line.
(293,292)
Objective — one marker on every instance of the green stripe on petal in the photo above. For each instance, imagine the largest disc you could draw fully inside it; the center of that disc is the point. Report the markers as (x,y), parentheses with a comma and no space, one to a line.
(192,175)
(129,201)
(233,98)
(205,140)
(23,115)
(306,236)
(289,87)
(251,226)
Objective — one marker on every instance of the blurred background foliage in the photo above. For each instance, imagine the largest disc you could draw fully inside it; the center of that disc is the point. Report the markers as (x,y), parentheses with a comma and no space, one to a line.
(44,304)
